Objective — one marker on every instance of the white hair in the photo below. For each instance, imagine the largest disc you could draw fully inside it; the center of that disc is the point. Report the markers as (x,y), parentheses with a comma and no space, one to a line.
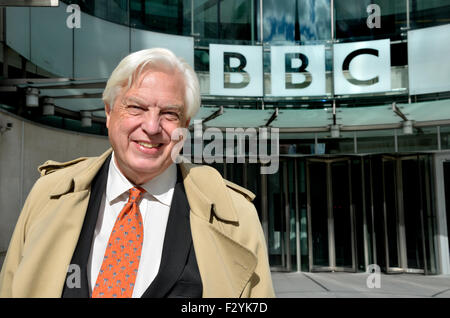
(130,68)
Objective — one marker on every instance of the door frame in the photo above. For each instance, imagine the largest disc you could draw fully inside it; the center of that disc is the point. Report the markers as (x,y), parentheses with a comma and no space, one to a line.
(400,215)
(331,233)
(441,237)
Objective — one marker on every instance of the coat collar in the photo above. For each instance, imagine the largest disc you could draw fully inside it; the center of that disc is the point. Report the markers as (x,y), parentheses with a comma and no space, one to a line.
(204,186)
(82,181)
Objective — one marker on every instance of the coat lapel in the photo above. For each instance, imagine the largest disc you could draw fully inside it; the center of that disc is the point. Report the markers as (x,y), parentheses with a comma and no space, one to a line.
(62,218)
(177,243)
(83,248)
(225,264)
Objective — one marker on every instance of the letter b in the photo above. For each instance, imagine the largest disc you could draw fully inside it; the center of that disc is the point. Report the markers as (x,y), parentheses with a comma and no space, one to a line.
(227,56)
(289,57)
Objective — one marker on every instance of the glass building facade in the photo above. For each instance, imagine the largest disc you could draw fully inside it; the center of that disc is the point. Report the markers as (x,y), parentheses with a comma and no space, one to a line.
(369,192)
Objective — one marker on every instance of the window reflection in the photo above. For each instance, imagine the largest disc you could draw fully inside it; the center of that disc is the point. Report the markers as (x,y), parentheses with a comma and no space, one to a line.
(296,21)
(167,16)
(352,19)
(427,13)
(224,22)
(284,21)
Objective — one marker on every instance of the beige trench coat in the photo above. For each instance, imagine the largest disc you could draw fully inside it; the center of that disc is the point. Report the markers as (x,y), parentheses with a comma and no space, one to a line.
(227,236)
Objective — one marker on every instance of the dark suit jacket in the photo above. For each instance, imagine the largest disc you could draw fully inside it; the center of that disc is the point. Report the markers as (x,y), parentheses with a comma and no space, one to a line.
(178,274)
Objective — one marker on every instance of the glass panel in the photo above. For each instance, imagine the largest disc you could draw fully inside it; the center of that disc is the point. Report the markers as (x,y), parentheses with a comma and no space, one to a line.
(235,173)
(377,141)
(390,193)
(424,138)
(276,219)
(445,137)
(296,21)
(429,215)
(447,193)
(231,22)
(319,212)
(303,213)
(167,16)
(114,11)
(354,22)
(254,185)
(292,204)
(359,209)
(413,205)
(377,200)
(343,145)
(368,196)
(341,213)
(427,13)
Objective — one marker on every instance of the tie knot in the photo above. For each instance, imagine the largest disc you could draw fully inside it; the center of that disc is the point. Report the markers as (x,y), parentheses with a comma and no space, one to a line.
(135,194)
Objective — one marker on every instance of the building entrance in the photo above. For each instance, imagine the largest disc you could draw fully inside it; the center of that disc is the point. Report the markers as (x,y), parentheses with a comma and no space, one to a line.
(401,212)
(345,213)
(331,220)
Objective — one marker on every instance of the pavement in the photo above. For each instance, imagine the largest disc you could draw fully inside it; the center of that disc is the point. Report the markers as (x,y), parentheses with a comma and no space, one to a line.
(355,285)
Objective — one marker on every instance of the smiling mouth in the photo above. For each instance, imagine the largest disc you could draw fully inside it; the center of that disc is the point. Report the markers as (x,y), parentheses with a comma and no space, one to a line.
(148,145)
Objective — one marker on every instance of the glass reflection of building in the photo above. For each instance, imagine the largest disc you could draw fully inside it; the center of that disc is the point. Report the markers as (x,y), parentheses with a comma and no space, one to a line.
(337,203)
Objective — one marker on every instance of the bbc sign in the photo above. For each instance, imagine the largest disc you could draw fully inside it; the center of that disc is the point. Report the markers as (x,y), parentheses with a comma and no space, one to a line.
(359,67)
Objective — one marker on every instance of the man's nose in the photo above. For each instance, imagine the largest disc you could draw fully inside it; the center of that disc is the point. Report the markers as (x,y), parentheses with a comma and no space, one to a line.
(151,123)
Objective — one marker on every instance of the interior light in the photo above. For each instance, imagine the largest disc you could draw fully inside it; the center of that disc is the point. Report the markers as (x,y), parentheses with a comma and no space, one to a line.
(334,131)
(48,107)
(86,118)
(32,97)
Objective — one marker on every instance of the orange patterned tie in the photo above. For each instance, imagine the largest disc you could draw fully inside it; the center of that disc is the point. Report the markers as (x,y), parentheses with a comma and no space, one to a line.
(121,261)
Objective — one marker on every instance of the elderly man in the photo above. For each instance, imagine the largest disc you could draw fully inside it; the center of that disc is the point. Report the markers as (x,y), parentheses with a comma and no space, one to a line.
(132,223)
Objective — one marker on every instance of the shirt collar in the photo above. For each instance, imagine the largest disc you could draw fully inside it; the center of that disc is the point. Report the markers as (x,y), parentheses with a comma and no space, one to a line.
(161,187)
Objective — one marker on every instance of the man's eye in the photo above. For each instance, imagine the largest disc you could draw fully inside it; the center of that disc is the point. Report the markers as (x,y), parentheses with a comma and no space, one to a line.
(135,109)
(171,115)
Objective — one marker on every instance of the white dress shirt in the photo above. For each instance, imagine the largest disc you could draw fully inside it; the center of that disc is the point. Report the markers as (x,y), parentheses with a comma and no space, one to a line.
(154,208)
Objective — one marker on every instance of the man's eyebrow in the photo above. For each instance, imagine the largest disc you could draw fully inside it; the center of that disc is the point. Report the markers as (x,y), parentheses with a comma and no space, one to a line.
(134,99)
(174,107)
(141,102)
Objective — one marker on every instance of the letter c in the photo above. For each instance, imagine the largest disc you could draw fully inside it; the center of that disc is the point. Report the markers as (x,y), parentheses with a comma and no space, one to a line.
(346,68)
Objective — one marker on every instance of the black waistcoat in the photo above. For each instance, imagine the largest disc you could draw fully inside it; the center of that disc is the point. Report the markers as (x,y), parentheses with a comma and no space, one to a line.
(178,274)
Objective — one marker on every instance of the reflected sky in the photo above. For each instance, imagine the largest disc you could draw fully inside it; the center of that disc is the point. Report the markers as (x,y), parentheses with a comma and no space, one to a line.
(280,18)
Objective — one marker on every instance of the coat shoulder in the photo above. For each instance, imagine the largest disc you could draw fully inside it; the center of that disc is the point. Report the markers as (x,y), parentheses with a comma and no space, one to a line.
(51,166)
(241,190)
(206,173)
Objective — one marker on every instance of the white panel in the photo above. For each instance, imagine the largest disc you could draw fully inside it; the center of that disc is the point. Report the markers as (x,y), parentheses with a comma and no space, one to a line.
(182,46)
(99,47)
(428,60)
(363,67)
(315,67)
(253,69)
(18,30)
(52,40)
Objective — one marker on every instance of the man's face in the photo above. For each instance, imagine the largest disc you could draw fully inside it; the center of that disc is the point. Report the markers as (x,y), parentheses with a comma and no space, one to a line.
(141,123)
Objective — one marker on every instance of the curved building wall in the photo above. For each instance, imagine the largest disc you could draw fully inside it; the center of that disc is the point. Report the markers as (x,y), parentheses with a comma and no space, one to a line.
(93,50)
(23,148)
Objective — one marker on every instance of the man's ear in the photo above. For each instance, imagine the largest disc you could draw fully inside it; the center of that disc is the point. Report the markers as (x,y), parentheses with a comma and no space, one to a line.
(108,113)
(187,123)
